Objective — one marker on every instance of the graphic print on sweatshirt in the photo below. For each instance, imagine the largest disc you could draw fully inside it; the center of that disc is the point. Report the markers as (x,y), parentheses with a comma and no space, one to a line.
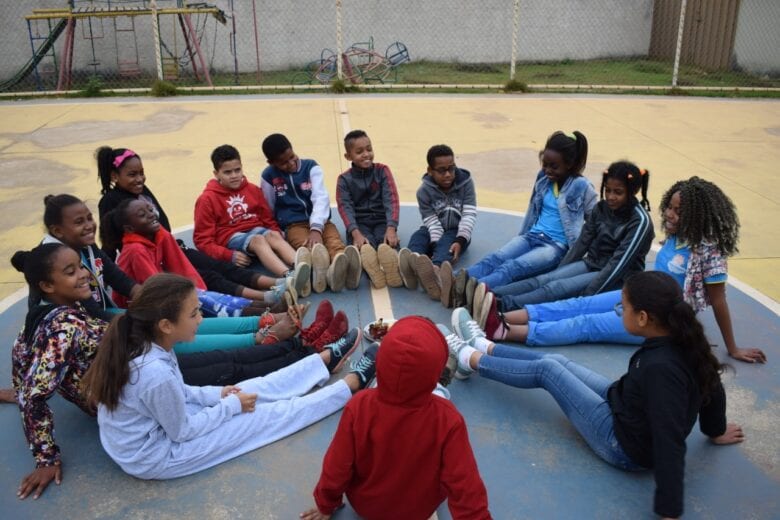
(237,209)
(280,187)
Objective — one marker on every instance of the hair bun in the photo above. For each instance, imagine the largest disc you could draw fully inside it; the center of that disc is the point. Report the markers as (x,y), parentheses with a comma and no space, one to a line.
(19,259)
(48,198)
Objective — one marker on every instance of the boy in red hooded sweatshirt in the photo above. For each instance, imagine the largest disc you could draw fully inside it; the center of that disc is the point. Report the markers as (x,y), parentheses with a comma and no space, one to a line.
(400,451)
(233,220)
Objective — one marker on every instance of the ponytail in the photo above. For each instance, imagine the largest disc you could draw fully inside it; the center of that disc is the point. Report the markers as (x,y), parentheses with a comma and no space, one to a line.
(659,295)
(112,227)
(573,149)
(109,160)
(131,335)
(632,176)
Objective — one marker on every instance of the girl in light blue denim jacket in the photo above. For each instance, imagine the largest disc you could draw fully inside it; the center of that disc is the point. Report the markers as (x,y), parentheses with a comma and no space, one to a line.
(560,202)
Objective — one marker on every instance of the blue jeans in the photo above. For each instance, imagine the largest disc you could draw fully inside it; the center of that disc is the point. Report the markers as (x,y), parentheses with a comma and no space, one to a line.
(586,319)
(240,241)
(420,242)
(580,392)
(564,282)
(523,256)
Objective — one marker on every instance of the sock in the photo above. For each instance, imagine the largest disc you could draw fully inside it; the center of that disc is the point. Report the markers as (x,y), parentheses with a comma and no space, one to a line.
(465,355)
(270,297)
(482,344)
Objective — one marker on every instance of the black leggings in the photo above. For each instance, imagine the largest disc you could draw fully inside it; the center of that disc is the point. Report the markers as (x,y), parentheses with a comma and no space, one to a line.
(228,367)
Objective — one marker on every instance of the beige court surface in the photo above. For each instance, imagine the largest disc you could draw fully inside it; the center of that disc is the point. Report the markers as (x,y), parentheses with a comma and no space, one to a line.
(48,146)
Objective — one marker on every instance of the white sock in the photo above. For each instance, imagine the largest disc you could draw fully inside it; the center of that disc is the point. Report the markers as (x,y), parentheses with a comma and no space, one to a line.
(464,356)
(482,344)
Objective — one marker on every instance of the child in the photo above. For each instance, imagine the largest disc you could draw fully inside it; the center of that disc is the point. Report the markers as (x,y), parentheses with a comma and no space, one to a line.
(368,204)
(612,245)
(122,176)
(702,230)
(60,338)
(448,207)
(560,203)
(294,189)
(154,426)
(642,420)
(147,249)
(399,433)
(69,221)
(233,221)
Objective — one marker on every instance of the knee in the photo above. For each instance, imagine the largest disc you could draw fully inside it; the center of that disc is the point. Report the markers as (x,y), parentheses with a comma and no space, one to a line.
(273,236)
(557,358)
(257,241)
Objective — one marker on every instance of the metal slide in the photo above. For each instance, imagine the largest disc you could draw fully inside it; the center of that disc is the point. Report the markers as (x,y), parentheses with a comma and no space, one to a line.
(40,53)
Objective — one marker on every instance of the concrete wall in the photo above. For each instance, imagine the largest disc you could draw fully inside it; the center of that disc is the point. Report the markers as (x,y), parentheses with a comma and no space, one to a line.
(757,42)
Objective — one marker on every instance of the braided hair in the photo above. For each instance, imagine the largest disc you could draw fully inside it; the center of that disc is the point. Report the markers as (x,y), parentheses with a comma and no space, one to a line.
(632,176)
(706,214)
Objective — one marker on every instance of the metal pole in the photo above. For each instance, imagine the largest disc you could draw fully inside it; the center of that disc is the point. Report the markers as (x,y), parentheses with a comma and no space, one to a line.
(339,42)
(678,51)
(515,25)
(156,31)
(233,40)
(257,42)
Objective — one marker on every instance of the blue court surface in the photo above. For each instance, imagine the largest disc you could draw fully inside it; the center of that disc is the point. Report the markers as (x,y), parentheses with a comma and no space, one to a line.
(532,461)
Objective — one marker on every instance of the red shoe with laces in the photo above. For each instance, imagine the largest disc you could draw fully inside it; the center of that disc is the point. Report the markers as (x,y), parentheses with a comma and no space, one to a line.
(337,328)
(495,324)
(321,321)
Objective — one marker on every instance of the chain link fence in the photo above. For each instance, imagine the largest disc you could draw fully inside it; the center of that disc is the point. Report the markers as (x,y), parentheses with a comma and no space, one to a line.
(87,45)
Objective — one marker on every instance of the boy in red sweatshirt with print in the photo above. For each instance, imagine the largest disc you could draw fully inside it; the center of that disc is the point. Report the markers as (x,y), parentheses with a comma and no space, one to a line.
(400,451)
(233,220)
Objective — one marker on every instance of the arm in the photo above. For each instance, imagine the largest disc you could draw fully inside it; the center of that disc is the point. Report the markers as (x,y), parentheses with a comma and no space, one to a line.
(337,467)
(636,242)
(390,198)
(320,212)
(429,217)
(135,261)
(174,259)
(205,232)
(268,191)
(580,247)
(264,212)
(344,204)
(166,402)
(527,222)
(466,493)
(468,217)
(716,293)
(113,275)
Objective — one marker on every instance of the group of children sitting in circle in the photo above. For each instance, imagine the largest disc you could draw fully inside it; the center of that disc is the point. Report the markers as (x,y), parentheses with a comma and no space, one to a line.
(120,331)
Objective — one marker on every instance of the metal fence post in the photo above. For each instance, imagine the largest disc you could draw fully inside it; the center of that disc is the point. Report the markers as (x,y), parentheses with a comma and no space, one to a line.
(339,42)
(515,26)
(678,51)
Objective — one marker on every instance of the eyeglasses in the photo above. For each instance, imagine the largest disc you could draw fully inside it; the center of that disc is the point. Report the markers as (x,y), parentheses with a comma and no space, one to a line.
(618,309)
(445,169)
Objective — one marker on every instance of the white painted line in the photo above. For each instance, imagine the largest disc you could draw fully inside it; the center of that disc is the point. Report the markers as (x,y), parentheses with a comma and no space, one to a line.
(12,298)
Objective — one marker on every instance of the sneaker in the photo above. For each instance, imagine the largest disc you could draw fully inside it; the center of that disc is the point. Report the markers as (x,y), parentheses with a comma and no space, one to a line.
(478,298)
(301,277)
(354,267)
(275,293)
(455,345)
(290,294)
(471,285)
(321,321)
(447,283)
(341,349)
(449,369)
(488,303)
(320,261)
(371,265)
(406,266)
(465,326)
(365,367)
(337,273)
(338,326)
(459,289)
(427,276)
(303,256)
(388,259)
(495,322)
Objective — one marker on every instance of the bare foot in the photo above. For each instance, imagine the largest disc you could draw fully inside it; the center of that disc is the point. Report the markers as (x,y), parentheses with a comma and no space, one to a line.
(7,395)
(284,328)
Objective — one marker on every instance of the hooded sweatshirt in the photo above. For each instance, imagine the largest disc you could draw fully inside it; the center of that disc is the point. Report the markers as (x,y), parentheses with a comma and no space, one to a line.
(399,450)
(221,212)
(452,209)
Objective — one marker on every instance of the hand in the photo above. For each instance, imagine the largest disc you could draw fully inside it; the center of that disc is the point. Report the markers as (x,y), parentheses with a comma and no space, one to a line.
(229,389)
(37,481)
(391,237)
(247,402)
(314,514)
(732,435)
(358,239)
(241,259)
(455,251)
(315,237)
(749,355)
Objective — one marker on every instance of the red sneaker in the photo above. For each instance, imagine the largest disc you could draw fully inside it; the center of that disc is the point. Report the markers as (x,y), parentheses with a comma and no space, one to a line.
(495,322)
(337,328)
(321,321)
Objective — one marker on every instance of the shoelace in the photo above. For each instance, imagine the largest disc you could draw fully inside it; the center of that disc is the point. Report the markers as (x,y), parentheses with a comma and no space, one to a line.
(360,366)
(336,346)
(474,330)
(455,342)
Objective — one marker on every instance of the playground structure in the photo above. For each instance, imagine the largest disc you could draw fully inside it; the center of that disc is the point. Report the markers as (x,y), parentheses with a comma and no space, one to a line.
(123,18)
(360,64)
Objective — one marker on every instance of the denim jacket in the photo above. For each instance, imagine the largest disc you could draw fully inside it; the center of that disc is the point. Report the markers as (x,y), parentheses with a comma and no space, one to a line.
(576,200)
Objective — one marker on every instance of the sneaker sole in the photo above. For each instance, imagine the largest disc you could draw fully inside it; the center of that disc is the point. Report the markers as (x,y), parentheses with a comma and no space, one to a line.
(406,268)
(337,273)
(388,259)
(459,297)
(371,266)
(445,273)
(345,357)
(354,267)
(301,276)
(485,309)
(477,298)
(303,256)
(471,285)
(427,276)
(320,261)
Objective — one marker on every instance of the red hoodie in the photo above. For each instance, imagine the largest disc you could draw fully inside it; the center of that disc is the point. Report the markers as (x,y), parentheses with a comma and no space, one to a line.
(141,258)
(399,450)
(220,213)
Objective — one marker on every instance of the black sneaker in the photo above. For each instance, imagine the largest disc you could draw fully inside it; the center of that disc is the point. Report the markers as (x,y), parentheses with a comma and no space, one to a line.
(365,367)
(342,348)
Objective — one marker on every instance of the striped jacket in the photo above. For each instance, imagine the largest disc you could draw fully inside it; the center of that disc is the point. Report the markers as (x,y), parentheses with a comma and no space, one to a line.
(454,209)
